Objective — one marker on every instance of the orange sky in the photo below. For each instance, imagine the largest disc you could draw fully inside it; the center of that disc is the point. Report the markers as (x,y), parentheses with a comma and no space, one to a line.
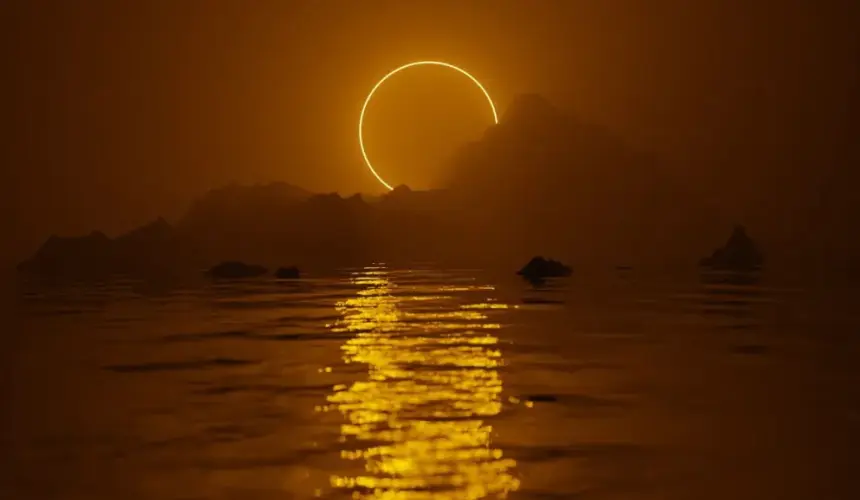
(121,111)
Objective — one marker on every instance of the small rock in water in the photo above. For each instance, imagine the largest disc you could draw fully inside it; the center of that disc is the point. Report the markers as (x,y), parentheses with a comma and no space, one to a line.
(539,268)
(236,270)
(287,273)
(739,253)
(542,398)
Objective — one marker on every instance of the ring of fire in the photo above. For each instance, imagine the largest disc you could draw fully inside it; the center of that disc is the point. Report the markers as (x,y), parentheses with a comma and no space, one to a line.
(389,75)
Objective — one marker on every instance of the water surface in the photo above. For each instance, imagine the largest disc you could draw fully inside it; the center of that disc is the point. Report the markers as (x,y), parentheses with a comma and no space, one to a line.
(430,384)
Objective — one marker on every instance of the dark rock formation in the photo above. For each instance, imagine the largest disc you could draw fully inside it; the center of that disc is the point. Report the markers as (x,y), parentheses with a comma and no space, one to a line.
(236,270)
(541,178)
(542,398)
(259,223)
(239,203)
(82,256)
(400,190)
(402,198)
(243,222)
(156,231)
(152,248)
(539,268)
(287,273)
(554,180)
(738,254)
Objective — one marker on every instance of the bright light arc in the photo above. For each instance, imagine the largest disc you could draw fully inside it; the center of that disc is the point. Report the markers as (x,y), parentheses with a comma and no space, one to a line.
(389,75)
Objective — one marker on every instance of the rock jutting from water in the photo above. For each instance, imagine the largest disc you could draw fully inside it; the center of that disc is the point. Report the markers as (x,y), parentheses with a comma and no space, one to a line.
(738,254)
(287,273)
(540,268)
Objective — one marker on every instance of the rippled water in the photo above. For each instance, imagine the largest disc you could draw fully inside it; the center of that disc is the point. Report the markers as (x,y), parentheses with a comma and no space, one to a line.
(429,384)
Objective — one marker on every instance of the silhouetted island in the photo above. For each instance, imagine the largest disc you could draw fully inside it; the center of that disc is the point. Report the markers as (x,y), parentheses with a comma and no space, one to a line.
(738,254)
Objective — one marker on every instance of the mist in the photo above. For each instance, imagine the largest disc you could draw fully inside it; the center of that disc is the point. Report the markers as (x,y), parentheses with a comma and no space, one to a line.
(119,113)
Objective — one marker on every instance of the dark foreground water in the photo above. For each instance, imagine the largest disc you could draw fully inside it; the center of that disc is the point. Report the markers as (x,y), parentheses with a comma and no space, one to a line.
(424,384)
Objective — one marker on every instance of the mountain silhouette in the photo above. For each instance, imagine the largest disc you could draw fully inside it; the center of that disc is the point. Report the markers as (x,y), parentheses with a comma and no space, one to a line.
(540,181)
(89,255)
(154,248)
(576,190)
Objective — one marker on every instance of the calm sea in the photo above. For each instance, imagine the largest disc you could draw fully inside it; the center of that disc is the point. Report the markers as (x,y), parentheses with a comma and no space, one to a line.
(431,384)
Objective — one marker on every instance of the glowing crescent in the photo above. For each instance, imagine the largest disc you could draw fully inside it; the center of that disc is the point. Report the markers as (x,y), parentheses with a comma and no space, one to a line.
(389,75)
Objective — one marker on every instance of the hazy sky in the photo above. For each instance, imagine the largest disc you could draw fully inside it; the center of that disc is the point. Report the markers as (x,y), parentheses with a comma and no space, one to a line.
(118,111)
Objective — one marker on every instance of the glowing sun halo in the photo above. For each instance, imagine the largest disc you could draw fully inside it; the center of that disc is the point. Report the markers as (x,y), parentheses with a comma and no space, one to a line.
(389,75)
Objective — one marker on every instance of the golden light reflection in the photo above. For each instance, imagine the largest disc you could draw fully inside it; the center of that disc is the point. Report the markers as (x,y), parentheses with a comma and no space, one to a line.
(418,422)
